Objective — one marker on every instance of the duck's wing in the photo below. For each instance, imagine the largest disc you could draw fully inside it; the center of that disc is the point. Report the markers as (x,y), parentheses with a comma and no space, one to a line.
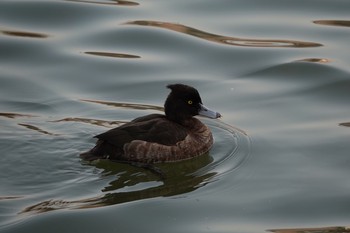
(151,128)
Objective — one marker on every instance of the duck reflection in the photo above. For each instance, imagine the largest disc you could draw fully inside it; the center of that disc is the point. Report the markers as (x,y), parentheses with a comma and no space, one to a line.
(133,183)
(176,178)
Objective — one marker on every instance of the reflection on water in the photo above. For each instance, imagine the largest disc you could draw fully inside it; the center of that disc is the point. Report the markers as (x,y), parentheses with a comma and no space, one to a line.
(339,23)
(179,178)
(23,34)
(2,198)
(37,129)
(117,55)
(112,2)
(290,179)
(315,60)
(14,115)
(225,39)
(127,105)
(97,122)
(131,183)
(346,124)
(313,230)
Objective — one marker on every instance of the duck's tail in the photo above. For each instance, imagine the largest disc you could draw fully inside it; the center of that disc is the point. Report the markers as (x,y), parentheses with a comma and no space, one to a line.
(102,150)
(89,156)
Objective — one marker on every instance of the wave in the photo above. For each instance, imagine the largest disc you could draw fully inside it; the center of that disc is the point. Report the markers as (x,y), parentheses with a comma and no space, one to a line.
(227,40)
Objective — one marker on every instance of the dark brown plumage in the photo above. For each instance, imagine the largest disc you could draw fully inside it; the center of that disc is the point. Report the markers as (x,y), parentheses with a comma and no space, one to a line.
(154,138)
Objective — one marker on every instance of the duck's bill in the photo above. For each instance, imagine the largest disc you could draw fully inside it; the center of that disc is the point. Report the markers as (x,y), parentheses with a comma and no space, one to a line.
(204,111)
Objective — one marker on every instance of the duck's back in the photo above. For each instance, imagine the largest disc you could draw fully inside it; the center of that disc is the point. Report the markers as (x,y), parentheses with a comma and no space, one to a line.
(154,128)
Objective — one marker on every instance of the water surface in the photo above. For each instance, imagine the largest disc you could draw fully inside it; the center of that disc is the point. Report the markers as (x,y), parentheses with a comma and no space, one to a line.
(278,72)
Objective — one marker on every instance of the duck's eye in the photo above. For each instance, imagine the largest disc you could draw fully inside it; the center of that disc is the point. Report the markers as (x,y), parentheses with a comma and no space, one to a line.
(190,102)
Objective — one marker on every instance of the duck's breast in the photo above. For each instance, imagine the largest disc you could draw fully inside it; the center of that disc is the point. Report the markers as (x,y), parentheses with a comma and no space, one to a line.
(198,141)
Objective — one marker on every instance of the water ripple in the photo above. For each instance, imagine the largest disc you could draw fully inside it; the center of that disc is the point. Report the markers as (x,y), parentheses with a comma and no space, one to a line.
(338,23)
(315,60)
(337,229)
(37,129)
(126,105)
(113,2)
(233,145)
(277,43)
(97,122)
(13,115)
(127,183)
(23,34)
(115,55)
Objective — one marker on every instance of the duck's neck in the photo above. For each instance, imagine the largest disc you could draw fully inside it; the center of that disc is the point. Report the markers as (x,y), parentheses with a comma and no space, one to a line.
(177,117)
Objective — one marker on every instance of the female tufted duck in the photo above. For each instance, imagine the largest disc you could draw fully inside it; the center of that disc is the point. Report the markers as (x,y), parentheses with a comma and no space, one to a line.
(155,138)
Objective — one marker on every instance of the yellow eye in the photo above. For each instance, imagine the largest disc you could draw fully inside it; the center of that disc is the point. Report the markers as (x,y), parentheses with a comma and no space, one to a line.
(190,102)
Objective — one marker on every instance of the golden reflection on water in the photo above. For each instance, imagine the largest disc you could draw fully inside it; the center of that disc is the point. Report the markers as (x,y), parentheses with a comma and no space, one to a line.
(129,182)
(315,60)
(126,105)
(313,230)
(338,23)
(23,34)
(178,178)
(37,129)
(97,122)
(225,39)
(346,124)
(13,115)
(116,55)
(2,198)
(113,2)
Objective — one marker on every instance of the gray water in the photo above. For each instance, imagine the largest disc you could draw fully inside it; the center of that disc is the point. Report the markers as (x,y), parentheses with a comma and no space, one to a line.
(278,72)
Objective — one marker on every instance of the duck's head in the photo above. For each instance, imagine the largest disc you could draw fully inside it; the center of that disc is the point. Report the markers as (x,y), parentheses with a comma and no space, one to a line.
(184,102)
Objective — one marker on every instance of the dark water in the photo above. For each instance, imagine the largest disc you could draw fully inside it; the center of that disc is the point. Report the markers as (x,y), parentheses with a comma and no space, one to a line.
(278,72)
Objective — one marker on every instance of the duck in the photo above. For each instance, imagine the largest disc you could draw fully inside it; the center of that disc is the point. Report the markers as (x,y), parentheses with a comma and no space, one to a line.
(158,138)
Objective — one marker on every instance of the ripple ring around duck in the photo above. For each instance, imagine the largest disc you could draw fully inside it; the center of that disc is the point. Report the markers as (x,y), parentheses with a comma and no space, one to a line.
(231,149)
